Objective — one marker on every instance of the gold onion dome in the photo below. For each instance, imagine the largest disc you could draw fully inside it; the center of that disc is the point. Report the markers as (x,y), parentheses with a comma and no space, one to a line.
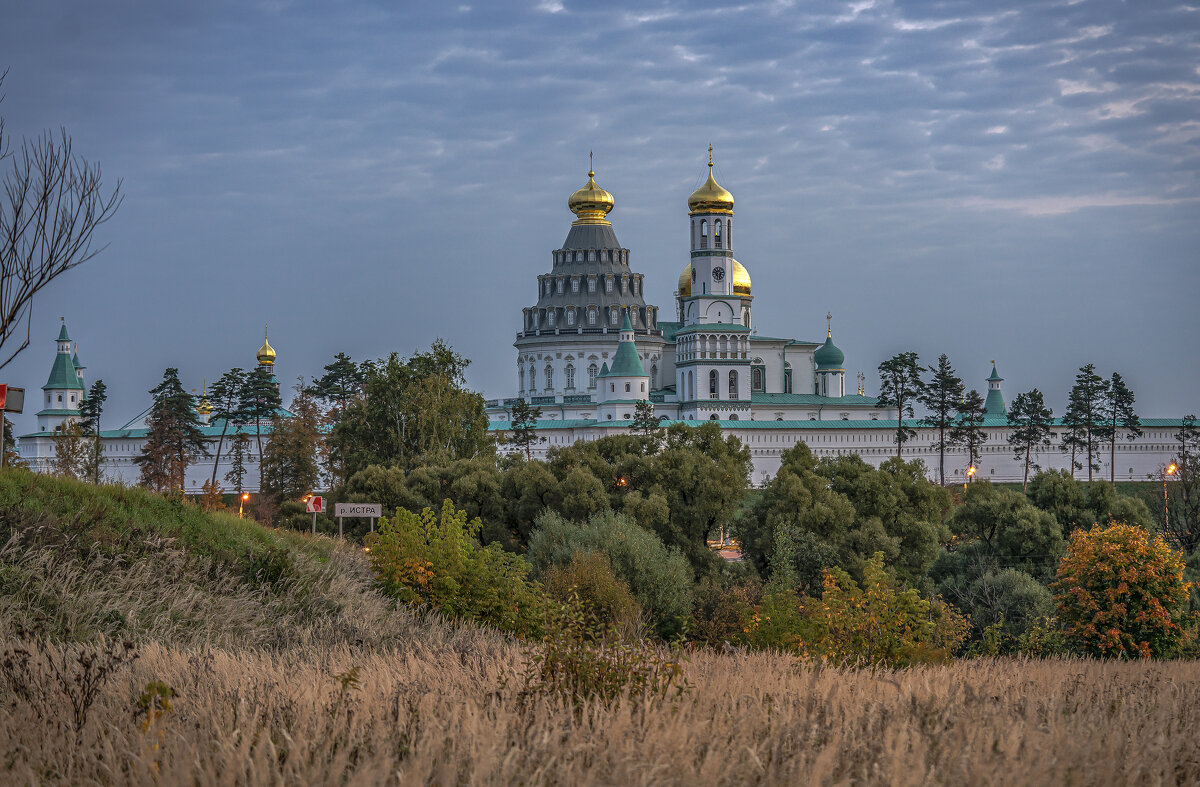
(590,204)
(266,353)
(710,197)
(741,279)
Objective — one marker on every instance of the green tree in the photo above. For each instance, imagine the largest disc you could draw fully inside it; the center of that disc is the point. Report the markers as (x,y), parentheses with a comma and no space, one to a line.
(659,577)
(1119,414)
(341,382)
(8,443)
(941,397)
(1121,593)
(1012,532)
(1075,505)
(412,411)
(645,422)
(1182,517)
(900,386)
(968,426)
(1084,417)
(90,410)
(290,465)
(258,404)
(236,477)
(1031,421)
(173,438)
(228,394)
(524,427)
(70,450)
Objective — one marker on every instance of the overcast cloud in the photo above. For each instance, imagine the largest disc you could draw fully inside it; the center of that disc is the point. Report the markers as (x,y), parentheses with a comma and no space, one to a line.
(1014,182)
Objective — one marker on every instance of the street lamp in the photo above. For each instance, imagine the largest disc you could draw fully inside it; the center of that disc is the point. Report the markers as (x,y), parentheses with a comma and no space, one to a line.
(970,475)
(242,503)
(1166,510)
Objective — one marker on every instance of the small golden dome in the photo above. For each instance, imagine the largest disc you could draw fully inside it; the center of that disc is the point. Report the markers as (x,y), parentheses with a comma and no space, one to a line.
(741,279)
(591,204)
(266,353)
(710,197)
(204,407)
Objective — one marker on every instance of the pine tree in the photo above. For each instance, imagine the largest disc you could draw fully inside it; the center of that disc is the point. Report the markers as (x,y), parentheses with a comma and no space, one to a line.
(968,425)
(90,410)
(1182,517)
(237,462)
(290,463)
(8,443)
(174,438)
(645,422)
(259,402)
(1084,417)
(524,427)
(1119,414)
(900,386)
(341,382)
(227,408)
(940,397)
(1030,420)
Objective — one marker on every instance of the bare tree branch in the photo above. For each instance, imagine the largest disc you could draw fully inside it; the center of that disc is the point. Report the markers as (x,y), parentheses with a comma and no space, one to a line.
(51,205)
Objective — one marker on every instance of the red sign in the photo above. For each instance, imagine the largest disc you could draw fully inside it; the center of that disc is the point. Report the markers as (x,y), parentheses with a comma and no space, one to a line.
(316,505)
(3,395)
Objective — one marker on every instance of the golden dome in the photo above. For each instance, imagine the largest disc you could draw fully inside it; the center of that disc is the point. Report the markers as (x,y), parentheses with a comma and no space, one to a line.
(710,197)
(591,203)
(741,279)
(266,353)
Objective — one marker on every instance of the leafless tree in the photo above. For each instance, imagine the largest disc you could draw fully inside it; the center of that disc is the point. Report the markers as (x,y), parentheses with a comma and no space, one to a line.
(53,201)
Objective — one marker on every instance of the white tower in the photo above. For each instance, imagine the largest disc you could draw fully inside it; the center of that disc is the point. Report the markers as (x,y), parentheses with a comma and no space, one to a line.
(63,390)
(712,348)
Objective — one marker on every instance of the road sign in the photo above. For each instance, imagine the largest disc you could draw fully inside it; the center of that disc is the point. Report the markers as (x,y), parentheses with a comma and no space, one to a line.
(316,505)
(11,399)
(361,510)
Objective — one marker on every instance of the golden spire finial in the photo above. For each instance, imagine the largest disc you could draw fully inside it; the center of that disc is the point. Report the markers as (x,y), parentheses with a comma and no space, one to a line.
(710,155)
(591,169)
(829,325)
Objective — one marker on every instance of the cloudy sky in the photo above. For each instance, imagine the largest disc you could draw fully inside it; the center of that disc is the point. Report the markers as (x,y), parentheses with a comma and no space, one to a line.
(1016,182)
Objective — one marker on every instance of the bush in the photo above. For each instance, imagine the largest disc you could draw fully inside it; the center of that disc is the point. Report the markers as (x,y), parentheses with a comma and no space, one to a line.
(881,623)
(1121,593)
(584,660)
(723,611)
(660,578)
(434,558)
(590,578)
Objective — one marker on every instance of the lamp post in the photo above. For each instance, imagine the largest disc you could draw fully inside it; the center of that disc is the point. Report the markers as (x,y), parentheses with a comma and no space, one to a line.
(970,475)
(242,503)
(1166,510)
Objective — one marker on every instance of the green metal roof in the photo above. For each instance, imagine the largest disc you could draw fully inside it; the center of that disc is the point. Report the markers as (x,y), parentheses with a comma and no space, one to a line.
(995,378)
(828,356)
(669,329)
(994,404)
(57,411)
(63,374)
(626,362)
(62,334)
(812,399)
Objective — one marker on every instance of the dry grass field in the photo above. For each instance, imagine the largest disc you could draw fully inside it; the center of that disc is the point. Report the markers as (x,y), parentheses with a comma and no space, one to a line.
(437,711)
(301,673)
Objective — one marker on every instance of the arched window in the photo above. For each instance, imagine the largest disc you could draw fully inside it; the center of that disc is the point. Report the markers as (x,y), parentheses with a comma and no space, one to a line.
(521,378)
(717,234)
(653,374)
(729,233)
(549,377)
(570,317)
(626,387)
(550,317)
(733,417)
(574,284)
(570,372)
(592,372)
(733,384)
(591,316)
(756,379)
(613,314)
(704,234)
(608,284)
(712,417)
(713,382)
(592,284)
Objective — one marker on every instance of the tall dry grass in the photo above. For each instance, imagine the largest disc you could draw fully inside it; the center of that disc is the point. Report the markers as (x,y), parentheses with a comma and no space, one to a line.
(440,712)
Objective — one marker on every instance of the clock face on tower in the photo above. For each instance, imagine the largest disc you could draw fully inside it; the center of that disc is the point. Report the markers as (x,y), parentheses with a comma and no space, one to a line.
(718,273)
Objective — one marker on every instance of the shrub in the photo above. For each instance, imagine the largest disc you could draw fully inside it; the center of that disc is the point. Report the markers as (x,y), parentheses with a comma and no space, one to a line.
(660,578)
(590,578)
(582,659)
(881,622)
(433,558)
(1121,593)
(723,611)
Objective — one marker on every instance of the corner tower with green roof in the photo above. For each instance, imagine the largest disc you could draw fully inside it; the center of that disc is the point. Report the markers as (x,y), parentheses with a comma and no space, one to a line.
(830,362)
(994,405)
(625,383)
(63,391)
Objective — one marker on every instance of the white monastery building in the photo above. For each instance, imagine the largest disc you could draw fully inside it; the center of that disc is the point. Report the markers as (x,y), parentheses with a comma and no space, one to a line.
(591,348)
